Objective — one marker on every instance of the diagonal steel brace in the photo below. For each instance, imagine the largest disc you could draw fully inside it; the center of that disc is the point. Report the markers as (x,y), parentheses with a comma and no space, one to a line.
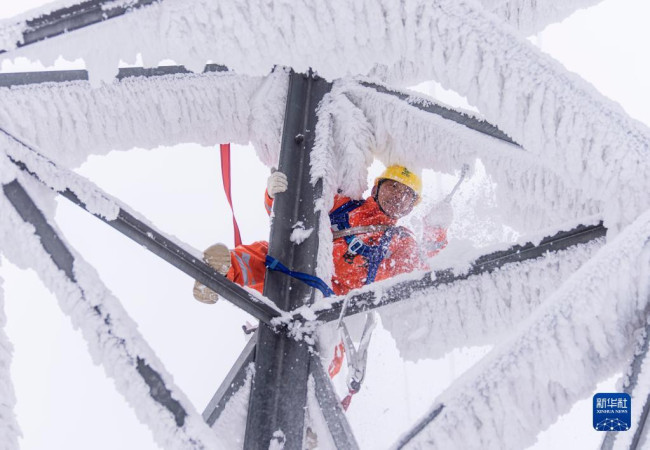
(158,244)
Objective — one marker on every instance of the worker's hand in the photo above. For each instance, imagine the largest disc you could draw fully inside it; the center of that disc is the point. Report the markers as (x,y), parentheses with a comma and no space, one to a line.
(440,215)
(276,183)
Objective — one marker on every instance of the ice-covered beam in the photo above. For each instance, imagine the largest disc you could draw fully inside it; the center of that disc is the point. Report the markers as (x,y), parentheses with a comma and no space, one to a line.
(459,117)
(585,332)
(88,196)
(403,291)
(234,381)
(146,108)
(112,337)
(62,76)
(330,406)
(45,23)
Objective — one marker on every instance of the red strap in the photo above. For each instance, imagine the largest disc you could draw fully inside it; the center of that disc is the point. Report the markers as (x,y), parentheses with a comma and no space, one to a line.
(225,175)
(337,361)
(345,403)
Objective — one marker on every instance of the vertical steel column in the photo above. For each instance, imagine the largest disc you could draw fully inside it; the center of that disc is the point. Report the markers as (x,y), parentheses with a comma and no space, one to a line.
(277,406)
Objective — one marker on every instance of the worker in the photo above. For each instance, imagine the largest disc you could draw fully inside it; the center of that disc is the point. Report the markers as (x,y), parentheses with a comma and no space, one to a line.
(368,245)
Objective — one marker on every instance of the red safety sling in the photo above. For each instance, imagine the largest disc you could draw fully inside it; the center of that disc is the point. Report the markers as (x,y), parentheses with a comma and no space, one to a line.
(225,175)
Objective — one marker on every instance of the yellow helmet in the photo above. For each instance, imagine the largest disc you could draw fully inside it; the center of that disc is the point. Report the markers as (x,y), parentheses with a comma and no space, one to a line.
(402,175)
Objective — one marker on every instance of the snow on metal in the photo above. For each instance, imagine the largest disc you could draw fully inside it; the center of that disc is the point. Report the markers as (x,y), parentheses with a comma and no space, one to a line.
(9,429)
(28,239)
(69,120)
(61,17)
(585,331)
(482,309)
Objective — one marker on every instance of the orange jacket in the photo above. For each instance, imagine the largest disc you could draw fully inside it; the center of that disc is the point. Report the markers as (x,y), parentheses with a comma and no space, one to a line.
(350,271)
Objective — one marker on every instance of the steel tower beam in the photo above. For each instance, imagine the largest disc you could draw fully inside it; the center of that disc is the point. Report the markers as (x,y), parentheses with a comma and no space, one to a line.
(446,113)
(64,260)
(403,291)
(232,383)
(74,17)
(331,408)
(276,410)
(63,76)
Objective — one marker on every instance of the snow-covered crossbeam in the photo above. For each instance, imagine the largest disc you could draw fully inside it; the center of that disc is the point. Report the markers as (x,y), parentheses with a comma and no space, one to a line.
(528,16)
(62,17)
(69,120)
(28,238)
(483,308)
(61,76)
(392,291)
(428,105)
(584,333)
(357,36)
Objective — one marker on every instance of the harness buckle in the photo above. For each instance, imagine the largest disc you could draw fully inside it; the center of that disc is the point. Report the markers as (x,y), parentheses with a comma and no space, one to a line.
(355,245)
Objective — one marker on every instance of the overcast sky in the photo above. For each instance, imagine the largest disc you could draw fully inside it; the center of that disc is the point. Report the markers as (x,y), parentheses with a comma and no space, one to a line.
(65,402)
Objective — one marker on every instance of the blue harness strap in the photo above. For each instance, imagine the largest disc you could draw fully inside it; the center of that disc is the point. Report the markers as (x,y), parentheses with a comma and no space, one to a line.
(310,280)
(340,218)
(374,254)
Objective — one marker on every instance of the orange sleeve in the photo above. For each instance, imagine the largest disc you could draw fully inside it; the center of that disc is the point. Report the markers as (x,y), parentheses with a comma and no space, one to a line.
(339,200)
(433,241)
(268,202)
(404,256)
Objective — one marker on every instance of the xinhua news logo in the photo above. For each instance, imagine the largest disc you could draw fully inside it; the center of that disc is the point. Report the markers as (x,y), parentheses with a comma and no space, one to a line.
(612,412)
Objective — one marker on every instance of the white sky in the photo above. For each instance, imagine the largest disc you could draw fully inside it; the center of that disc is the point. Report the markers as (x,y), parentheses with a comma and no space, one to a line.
(65,402)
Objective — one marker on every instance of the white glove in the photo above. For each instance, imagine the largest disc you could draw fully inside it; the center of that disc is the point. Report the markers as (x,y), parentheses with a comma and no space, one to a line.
(276,183)
(440,215)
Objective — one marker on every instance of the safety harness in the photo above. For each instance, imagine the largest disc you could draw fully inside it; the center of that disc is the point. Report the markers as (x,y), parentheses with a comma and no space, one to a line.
(374,254)
(340,220)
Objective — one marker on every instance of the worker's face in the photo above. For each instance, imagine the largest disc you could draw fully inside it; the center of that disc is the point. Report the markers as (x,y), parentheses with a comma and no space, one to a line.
(395,198)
